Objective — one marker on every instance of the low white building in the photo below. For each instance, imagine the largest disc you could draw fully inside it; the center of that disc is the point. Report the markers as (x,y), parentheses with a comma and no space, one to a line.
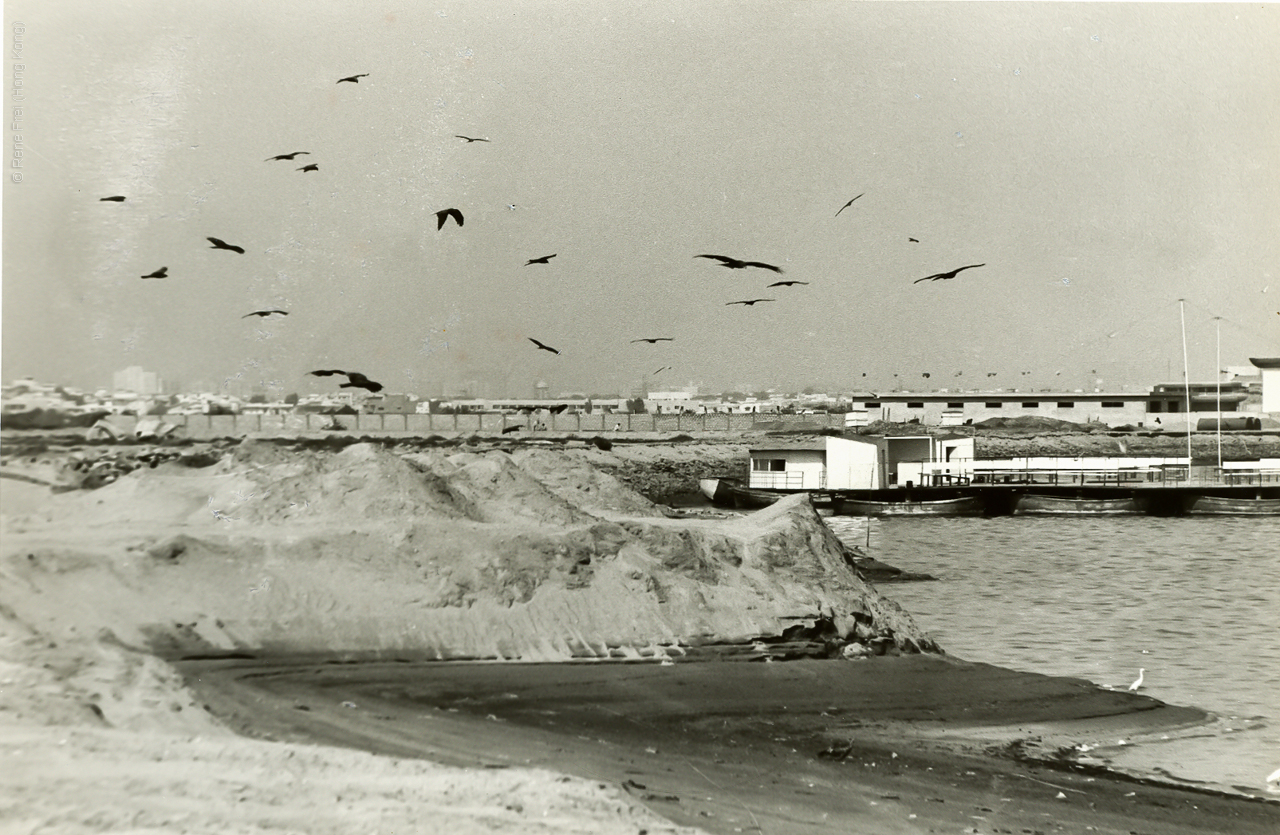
(870,463)
(927,460)
(826,463)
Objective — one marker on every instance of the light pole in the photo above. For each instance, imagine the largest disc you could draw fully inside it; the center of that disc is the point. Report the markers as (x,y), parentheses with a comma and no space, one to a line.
(1218,321)
(1186,379)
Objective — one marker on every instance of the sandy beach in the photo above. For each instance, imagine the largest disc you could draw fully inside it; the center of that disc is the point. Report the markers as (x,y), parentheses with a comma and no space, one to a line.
(263,644)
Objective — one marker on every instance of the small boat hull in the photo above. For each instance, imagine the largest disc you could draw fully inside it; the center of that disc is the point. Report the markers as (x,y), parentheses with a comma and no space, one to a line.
(1033,504)
(963,506)
(727,492)
(1223,506)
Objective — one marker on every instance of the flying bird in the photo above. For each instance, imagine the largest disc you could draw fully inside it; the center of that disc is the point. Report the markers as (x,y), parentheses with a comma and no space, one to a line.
(542,347)
(991,373)
(913,240)
(163,272)
(654,339)
(947,275)
(218,243)
(118,198)
(847,205)
(470,139)
(750,302)
(354,79)
(354,380)
(312,167)
(265,313)
(663,368)
(785,283)
(445,214)
(735,264)
(925,375)
(285,156)
(546,259)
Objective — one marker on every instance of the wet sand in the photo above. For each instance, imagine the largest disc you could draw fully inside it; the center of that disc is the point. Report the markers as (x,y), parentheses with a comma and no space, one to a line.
(889,744)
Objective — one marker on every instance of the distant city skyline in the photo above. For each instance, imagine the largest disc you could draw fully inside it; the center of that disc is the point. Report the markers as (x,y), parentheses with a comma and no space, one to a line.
(1100,161)
(147,383)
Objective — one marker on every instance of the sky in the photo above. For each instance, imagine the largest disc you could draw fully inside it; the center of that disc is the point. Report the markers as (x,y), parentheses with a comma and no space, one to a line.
(1100,160)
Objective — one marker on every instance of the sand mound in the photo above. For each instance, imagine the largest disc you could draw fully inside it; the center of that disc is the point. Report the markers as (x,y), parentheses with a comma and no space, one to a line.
(1031,424)
(574,479)
(493,488)
(532,555)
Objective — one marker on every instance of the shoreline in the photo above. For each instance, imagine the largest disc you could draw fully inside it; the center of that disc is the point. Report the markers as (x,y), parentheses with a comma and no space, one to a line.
(690,740)
(89,715)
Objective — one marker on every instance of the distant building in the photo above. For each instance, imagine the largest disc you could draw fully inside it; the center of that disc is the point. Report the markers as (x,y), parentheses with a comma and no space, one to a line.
(1270,367)
(1172,397)
(864,463)
(952,408)
(390,404)
(136,380)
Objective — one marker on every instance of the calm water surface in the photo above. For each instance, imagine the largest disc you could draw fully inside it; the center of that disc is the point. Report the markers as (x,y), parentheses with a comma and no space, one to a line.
(1194,601)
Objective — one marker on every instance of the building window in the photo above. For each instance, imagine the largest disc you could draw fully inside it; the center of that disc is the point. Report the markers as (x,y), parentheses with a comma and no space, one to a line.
(776,465)
(992,405)
(955,405)
(1066,404)
(1031,404)
(871,405)
(915,404)
(1113,404)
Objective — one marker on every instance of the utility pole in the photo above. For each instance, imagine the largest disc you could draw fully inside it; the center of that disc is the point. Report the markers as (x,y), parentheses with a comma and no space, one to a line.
(1218,321)
(1186,379)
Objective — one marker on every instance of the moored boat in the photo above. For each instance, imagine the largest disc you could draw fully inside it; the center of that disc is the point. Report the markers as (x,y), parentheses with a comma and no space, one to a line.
(1041,505)
(962,506)
(1230,506)
(730,492)
(727,492)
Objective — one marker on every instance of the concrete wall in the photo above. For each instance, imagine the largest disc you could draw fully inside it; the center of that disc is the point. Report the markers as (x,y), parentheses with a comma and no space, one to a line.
(1271,390)
(852,465)
(214,426)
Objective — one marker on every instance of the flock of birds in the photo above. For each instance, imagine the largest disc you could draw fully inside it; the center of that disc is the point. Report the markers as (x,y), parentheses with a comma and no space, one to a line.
(359,380)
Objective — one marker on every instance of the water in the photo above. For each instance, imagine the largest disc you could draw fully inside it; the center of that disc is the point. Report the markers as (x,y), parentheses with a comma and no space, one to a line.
(1194,601)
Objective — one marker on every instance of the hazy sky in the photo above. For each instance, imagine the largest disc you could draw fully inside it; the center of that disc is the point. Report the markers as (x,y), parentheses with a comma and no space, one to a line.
(1102,160)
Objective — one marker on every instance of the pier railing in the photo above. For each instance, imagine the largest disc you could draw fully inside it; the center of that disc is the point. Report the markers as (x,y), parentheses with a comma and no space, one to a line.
(1138,477)
(793,480)
(1094,472)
